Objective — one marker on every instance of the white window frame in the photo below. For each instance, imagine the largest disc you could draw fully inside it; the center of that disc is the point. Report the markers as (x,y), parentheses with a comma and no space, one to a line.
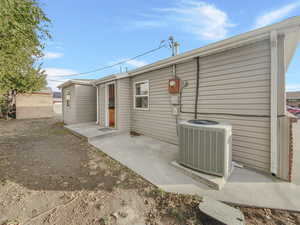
(134,95)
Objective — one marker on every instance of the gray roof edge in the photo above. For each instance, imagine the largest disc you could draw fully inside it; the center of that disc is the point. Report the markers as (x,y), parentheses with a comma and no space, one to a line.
(80,82)
(110,78)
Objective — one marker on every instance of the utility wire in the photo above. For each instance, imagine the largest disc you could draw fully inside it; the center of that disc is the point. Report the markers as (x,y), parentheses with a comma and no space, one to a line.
(115,64)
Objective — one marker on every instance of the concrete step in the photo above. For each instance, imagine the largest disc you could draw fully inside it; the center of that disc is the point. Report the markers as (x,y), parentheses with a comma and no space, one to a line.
(103,135)
(221,212)
(214,182)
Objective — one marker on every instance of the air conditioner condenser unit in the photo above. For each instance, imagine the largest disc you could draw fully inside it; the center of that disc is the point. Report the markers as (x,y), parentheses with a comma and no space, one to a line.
(205,146)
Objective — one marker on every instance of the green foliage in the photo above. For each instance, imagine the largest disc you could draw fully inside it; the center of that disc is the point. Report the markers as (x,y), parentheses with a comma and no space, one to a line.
(3,105)
(23,28)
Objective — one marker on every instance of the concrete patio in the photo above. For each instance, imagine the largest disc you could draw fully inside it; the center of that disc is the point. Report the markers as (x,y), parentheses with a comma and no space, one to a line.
(152,159)
(90,130)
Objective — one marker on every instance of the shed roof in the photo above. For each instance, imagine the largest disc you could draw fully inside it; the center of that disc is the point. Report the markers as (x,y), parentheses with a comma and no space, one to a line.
(76,81)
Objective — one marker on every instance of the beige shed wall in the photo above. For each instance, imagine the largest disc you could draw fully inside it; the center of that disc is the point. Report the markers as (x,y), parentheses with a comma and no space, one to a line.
(101,102)
(31,106)
(85,97)
(69,112)
(82,105)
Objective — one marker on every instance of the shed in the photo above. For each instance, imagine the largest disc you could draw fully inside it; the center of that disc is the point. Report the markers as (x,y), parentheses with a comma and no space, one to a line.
(240,80)
(293,98)
(78,101)
(38,104)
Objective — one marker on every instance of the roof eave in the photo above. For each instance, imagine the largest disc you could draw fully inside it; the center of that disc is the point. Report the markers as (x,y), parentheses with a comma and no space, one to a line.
(110,78)
(71,82)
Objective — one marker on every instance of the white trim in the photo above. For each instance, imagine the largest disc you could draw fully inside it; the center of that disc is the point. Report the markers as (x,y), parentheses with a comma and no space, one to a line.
(274,87)
(134,95)
(106,104)
(110,78)
(97,104)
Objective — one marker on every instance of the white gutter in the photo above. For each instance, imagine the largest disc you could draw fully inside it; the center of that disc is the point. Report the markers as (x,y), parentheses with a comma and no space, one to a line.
(274,113)
(110,78)
(97,104)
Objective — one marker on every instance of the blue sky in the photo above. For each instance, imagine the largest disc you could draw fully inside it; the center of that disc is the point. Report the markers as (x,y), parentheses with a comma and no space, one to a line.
(91,34)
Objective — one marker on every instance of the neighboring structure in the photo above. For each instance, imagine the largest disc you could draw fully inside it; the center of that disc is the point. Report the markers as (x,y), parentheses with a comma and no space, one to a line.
(38,104)
(293,98)
(57,97)
(240,80)
(79,101)
(57,103)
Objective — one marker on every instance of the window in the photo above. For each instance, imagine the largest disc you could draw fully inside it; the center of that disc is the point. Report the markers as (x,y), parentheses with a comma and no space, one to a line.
(68,98)
(141,95)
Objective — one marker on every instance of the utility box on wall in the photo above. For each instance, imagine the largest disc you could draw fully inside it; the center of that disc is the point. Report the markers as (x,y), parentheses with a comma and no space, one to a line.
(174,86)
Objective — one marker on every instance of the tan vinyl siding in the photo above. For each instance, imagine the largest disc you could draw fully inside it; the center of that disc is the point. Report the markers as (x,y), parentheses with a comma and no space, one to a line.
(283,147)
(82,105)
(85,103)
(101,102)
(123,104)
(69,116)
(281,98)
(158,121)
(236,81)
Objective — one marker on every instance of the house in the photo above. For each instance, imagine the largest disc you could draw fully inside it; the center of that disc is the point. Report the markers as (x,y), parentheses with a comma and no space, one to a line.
(79,101)
(293,98)
(38,104)
(240,80)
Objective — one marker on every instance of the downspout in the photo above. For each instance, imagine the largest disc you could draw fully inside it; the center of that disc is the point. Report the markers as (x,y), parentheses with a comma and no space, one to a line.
(197,89)
(274,113)
(97,104)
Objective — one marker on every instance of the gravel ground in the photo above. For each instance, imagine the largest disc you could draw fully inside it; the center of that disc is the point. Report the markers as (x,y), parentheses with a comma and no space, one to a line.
(49,176)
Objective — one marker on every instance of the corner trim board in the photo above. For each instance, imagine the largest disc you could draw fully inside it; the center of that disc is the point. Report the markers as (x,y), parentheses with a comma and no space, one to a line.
(274,87)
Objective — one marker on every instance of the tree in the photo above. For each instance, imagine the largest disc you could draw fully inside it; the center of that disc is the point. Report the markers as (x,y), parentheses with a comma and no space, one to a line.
(23,29)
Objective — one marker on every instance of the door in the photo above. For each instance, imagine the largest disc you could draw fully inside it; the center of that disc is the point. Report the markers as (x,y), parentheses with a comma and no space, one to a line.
(111,105)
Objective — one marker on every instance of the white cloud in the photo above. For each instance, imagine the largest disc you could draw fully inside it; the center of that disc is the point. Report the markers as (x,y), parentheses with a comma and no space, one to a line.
(148,24)
(58,72)
(204,20)
(53,55)
(136,63)
(55,76)
(293,87)
(275,15)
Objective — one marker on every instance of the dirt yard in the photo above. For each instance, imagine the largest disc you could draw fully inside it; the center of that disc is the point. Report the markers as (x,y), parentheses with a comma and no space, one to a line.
(49,176)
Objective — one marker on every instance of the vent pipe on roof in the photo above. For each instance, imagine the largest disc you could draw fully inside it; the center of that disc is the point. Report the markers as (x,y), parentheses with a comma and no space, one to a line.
(176,48)
(174,45)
